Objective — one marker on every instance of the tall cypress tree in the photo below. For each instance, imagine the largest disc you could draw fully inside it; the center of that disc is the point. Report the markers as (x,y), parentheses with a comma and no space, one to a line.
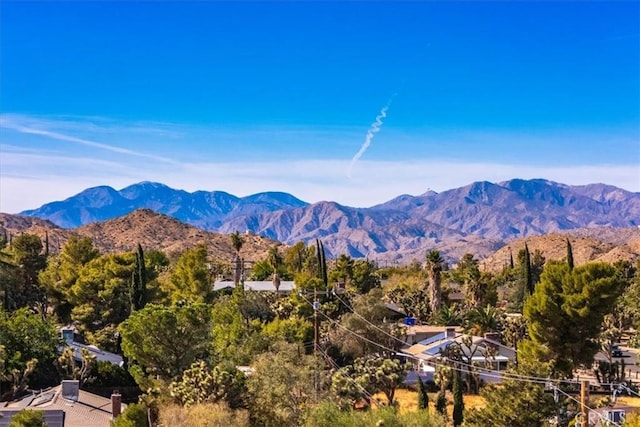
(458,402)
(569,255)
(510,259)
(526,270)
(423,397)
(138,292)
(441,403)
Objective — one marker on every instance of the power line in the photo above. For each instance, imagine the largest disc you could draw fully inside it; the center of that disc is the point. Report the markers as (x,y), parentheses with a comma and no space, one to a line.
(490,373)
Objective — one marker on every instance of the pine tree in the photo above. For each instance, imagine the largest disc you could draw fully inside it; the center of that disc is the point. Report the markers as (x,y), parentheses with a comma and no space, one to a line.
(423,397)
(569,255)
(441,403)
(458,403)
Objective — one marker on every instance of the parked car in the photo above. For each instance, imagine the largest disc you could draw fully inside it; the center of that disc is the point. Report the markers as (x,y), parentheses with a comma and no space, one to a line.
(616,352)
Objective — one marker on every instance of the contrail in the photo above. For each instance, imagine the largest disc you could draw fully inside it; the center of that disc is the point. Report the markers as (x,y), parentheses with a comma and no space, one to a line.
(373,129)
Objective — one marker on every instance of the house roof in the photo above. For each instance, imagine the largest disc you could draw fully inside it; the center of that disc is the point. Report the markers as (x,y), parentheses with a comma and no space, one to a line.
(258,286)
(89,410)
(100,355)
(432,347)
(429,329)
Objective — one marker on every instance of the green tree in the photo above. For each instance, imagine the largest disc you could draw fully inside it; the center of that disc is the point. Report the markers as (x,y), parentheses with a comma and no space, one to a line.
(100,298)
(434,266)
(28,418)
(30,344)
(458,402)
(202,384)
(569,255)
(63,271)
(191,279)
(135,415)
(138,292)
(479,321)
(28,256)
(236,242)
(566,310)
(161,342)
(281,390)
(275,262)
(423,397)
(364,276)
(441,403)
(514,403)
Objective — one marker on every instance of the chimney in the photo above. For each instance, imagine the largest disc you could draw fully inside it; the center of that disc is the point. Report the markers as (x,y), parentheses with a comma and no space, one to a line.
(116,404)
(67,335)
(449,332)
(493,336)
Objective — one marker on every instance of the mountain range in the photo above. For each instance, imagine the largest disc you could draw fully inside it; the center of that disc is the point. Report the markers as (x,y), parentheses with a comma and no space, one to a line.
(478,218)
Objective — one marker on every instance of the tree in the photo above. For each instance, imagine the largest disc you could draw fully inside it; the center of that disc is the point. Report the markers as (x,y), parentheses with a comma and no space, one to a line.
(191,279)
(138,292)
(28,256)
(479,321)
(380,375)
(513,404)
(164,341)
(134,416)
(423,397)
(434,267)
(282,390)
(569,255)
(366,317)
(526,271)
(28,418)
(441,403)
(30,344)
(458,403)
(364,277)
(201,384)
(566,310)
(343,270)
(63,271)
(100,297)
(236,242)
(275,261)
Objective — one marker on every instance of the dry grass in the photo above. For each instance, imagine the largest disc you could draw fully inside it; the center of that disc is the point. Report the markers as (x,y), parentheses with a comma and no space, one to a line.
(408,401)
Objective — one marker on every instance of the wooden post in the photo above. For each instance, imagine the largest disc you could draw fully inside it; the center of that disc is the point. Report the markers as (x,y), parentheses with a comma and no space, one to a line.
(584,397)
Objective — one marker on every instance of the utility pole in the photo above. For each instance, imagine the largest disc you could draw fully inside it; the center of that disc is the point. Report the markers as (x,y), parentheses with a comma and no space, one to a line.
(584,396)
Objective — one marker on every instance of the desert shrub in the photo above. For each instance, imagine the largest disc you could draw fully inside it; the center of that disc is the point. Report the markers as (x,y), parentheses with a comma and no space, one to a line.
(202,415)
(28,418)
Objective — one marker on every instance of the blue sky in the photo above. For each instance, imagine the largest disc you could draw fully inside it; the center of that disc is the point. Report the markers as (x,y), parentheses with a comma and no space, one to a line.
(254,96)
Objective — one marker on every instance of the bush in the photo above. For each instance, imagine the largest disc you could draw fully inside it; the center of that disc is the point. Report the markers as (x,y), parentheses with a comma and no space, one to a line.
(202,415)
(28,418)
(134,416)
(329,415)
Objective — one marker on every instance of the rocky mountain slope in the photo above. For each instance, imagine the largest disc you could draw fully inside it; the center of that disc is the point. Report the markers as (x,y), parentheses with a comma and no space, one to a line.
(152,230)
(480,217)
(157,231)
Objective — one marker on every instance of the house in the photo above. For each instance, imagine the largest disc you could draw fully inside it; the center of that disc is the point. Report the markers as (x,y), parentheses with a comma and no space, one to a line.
(601,417)
(100,355)
(286,286)
(66,406)
(416,333)
(486,353)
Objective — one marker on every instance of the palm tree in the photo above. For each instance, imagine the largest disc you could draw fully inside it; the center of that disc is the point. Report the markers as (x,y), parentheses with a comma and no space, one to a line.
(275,261)
(434,267)
(482,320)
(236,242)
